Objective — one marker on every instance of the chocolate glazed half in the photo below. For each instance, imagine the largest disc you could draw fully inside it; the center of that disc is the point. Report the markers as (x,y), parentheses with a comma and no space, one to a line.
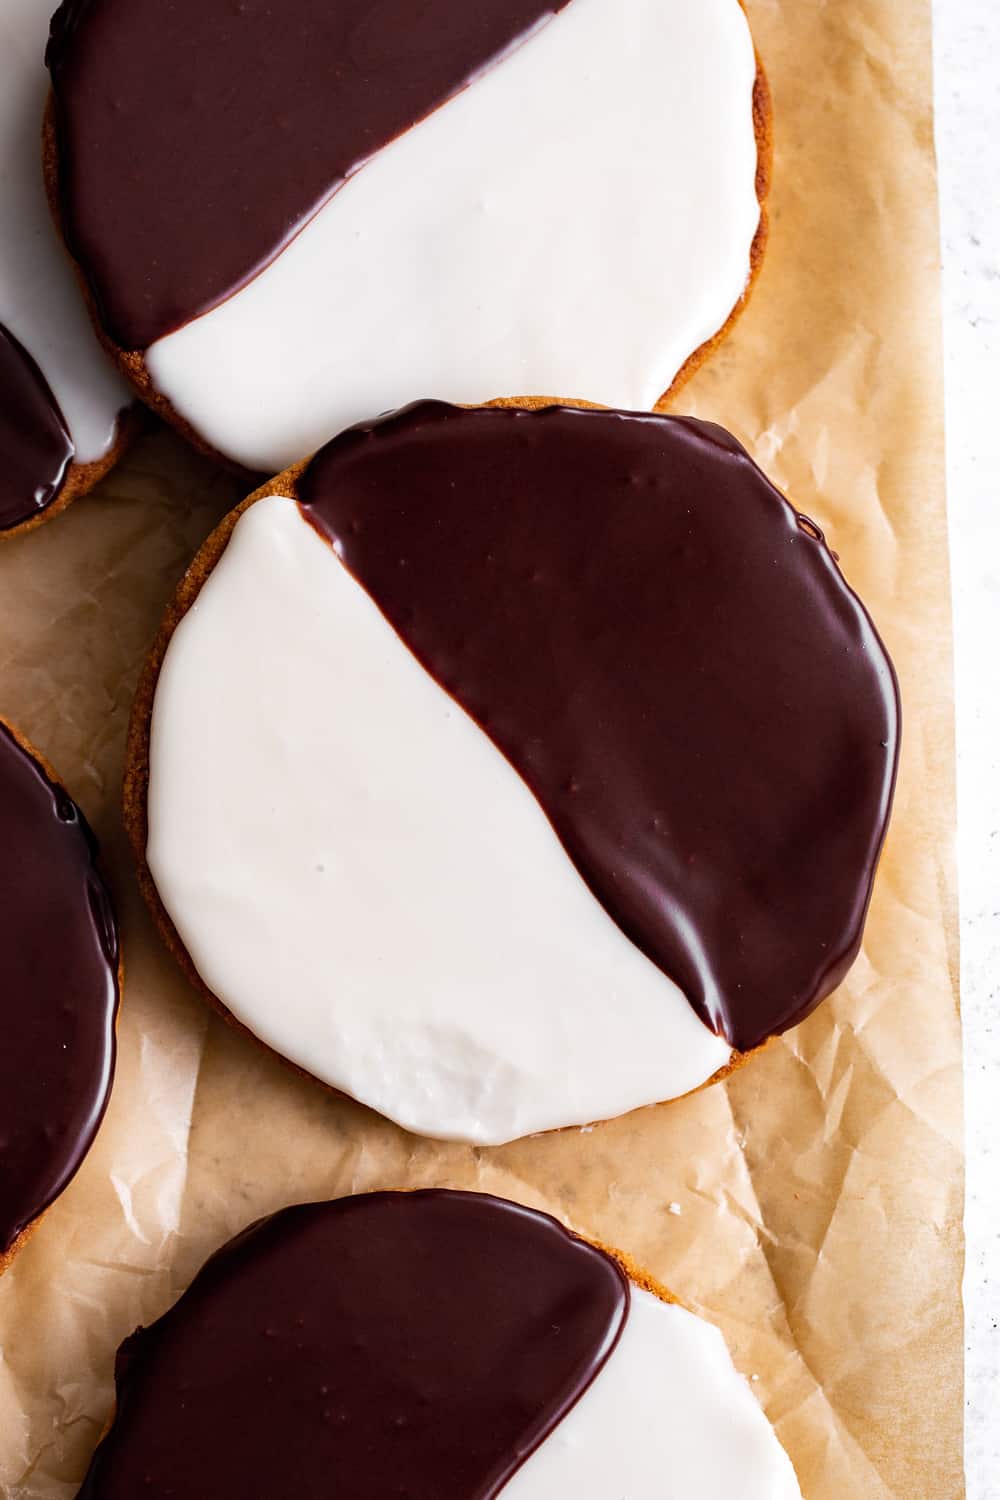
(59,985)
(35,446)
(667,654)
(419,1344)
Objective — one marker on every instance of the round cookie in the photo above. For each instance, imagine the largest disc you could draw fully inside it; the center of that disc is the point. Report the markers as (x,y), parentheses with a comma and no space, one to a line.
(62,403)
(431,1344)
(539,197)
(513,768)
(60,977)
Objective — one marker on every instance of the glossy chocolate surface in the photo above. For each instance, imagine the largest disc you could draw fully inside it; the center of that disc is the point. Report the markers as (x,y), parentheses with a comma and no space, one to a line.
(667,654)
(411,1344)
(35,445)
(58,990)
(196,138)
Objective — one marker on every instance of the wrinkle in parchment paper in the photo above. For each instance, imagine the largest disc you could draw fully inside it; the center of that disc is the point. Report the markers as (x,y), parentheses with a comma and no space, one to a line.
(810,1206)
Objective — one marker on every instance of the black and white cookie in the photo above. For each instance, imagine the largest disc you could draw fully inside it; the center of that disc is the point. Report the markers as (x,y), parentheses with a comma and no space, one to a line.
(511,769)
(434,1345)
(290,216)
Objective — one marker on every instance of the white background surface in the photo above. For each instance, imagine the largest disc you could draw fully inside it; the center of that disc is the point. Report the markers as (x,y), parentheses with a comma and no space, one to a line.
(968,132)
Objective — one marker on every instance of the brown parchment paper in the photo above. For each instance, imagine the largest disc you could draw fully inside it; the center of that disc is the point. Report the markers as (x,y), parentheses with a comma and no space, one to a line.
(811,1205)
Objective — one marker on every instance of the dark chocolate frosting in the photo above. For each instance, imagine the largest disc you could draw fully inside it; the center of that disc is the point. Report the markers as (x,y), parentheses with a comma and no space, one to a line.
(396,1344)
(35,445)
(196,138)
(667,654)
(58,990)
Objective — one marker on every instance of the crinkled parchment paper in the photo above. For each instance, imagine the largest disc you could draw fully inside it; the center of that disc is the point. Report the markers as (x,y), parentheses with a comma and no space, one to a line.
(811,1206)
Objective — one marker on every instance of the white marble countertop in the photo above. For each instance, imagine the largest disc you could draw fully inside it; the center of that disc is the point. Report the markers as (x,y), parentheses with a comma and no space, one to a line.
(967,46)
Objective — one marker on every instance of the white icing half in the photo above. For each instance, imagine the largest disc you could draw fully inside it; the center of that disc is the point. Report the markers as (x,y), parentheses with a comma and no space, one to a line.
(576,223)
(668,1418)
(39,299)
(364,880)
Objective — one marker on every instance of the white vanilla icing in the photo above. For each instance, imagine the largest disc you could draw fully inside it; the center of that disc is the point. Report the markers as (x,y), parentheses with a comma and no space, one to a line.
(363,879)
(668,1418)
(575,223)
(40,302)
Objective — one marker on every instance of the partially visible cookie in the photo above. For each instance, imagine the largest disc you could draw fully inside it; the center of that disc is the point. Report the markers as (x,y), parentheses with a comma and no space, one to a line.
(62,404)
(434,1345)
(289,217)
(510,769)
(59,985)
